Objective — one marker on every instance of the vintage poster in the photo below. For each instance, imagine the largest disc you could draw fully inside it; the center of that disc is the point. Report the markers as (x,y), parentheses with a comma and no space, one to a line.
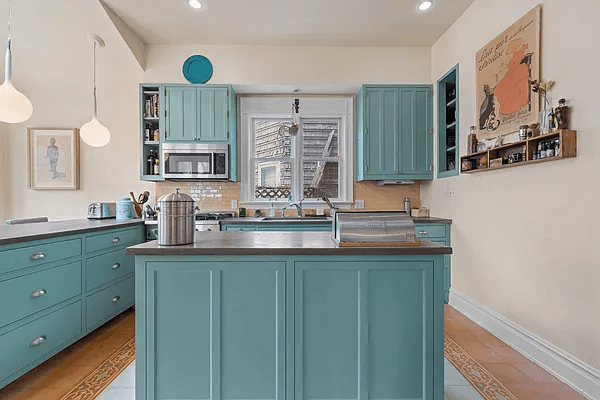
(504,68)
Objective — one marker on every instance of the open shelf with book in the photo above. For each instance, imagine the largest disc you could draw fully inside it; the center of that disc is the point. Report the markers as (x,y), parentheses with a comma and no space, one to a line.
(152,127)
(448,125)
(549,147)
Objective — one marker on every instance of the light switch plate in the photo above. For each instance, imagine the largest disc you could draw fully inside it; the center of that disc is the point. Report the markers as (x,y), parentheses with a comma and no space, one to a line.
(359,204)
(450,191)
(234,204)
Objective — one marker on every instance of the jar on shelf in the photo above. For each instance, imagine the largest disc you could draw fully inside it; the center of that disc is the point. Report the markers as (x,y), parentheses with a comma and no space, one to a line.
(472,140)
(561,115)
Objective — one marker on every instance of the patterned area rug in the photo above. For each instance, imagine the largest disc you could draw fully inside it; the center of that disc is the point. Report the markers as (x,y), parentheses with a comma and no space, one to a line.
(488,386)
(478,377)
(102,376)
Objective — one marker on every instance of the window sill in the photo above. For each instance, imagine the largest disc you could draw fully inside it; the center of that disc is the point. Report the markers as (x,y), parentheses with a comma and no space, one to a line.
(306,205)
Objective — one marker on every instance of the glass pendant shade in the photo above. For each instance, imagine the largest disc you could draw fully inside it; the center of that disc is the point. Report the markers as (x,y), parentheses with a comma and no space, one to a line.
(94,133)
(15,107)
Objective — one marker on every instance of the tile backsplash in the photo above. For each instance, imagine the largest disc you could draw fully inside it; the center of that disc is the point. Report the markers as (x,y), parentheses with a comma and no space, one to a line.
(217,195)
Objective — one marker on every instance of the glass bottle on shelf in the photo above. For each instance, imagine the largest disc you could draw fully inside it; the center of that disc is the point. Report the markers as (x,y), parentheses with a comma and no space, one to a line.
(150,163)
(147,132)
(156,166)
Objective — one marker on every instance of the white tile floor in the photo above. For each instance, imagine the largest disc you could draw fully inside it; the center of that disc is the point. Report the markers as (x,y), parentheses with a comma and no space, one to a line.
(456,387)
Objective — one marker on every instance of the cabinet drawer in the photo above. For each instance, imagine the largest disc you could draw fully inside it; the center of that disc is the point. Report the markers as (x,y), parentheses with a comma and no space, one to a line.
(25,295)
(111,239)
(20,347)
(38,253)
(108,267)
(108,301)
(431,231)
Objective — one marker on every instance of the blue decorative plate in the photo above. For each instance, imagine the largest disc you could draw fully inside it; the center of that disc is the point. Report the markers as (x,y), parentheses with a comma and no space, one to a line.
(197,69)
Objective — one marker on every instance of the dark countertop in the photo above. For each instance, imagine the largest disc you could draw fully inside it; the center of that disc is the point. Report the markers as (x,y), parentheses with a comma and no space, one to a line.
(10,234)
(277,243)
(253,221)
(287,220)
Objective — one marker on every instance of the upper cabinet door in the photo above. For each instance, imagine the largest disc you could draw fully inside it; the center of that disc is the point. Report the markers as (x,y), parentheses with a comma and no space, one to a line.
(181,120)
(417,138)
(382,139)
(393,136)
(213,115)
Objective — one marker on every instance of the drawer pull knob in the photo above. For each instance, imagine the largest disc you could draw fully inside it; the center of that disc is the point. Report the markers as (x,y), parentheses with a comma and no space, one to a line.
(38,341)
(38,293)
(423,232)
(116,265)
(37,256)
(116,240)
(116,298)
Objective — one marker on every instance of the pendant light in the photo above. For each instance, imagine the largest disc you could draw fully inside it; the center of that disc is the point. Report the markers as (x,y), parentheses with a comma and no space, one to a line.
(94,133)
(15,107)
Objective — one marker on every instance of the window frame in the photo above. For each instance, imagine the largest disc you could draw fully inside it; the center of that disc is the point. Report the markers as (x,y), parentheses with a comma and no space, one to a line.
(311,108)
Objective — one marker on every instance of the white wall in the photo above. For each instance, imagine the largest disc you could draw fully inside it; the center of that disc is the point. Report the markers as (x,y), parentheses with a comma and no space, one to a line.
(259,65)
(526,241)
(53,67)
(3,173)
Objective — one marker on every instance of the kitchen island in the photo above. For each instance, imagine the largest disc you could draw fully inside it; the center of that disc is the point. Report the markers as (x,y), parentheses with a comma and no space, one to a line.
(288,315)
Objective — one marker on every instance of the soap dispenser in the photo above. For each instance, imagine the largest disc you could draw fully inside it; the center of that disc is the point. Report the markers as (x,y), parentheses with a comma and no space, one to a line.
(272,211)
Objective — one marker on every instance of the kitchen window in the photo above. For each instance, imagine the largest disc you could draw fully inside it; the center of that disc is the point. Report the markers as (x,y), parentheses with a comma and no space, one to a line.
(314,162)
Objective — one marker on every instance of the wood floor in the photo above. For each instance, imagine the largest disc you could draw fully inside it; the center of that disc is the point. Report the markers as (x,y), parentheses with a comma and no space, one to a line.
(54,378)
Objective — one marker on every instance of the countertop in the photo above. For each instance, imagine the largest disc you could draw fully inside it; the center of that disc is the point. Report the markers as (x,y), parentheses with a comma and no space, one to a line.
(10,234)
(252,220)
(277,243)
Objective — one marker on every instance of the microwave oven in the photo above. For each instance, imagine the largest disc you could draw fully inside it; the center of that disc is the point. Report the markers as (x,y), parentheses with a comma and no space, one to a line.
(195,161)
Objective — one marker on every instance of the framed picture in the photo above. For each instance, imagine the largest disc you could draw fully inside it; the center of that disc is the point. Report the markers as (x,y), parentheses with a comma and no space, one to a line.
(504,68)
(53,158)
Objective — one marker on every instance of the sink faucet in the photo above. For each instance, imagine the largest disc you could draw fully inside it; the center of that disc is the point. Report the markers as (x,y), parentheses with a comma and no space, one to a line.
(298,207)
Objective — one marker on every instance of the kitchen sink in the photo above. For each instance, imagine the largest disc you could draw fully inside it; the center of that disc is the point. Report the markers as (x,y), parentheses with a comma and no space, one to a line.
(296,219)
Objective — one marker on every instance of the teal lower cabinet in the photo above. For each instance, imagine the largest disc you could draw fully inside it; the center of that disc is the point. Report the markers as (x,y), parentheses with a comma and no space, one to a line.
(438,233)
(55,291)
(289,327)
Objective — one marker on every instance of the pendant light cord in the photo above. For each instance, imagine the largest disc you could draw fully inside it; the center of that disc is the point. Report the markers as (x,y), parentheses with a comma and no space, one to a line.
(9,17)
(94,80)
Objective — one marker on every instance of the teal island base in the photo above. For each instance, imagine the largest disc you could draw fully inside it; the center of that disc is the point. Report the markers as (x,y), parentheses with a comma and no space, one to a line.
(323,326)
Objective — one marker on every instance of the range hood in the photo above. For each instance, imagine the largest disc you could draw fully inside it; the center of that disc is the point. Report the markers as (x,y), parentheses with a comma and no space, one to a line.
(394,182)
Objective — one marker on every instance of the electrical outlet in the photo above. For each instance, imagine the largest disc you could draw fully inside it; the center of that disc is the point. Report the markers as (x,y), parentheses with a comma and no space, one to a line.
(447,192)
(234,204)
(453,191)
(359,204)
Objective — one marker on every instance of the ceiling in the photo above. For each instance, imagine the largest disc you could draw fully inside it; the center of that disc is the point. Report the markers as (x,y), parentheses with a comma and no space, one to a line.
(361,23)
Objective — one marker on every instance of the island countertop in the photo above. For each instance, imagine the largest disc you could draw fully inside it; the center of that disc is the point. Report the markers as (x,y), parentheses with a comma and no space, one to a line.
(10,234)
(277,243)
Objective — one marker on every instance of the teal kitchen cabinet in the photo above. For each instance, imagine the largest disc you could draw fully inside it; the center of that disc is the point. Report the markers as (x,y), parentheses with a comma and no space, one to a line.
(217,330)
(367,327)
(197,114)
(289,327)
(54,291)
(394,138)
(438,233)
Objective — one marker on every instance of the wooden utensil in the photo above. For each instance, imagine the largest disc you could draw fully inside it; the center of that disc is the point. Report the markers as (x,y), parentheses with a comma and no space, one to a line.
(136,205)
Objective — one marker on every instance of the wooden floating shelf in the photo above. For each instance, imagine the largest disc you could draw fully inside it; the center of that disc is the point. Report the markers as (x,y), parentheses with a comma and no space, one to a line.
(568,149)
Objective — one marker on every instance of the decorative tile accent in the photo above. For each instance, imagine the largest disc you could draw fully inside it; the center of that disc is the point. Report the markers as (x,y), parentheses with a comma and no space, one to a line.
(488,386)
(102,376)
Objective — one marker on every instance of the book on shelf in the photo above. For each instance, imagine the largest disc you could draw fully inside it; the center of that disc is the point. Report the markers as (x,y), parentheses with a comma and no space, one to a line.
(152,107)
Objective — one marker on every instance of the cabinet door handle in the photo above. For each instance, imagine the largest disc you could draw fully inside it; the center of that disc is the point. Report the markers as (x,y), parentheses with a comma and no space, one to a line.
(38,293)
(116,265)
(116,240)
(38,340)
(116,298)
(38,256)
(423,232)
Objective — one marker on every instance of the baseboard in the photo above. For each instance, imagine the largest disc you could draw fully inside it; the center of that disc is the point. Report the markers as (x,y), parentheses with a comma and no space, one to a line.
(582,377)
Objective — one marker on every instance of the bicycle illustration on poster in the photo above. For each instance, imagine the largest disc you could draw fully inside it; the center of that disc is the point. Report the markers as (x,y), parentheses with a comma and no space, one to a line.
(504,68)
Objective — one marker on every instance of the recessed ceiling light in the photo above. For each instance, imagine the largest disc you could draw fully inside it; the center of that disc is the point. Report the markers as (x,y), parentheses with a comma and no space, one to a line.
(195,4)
(425,5)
